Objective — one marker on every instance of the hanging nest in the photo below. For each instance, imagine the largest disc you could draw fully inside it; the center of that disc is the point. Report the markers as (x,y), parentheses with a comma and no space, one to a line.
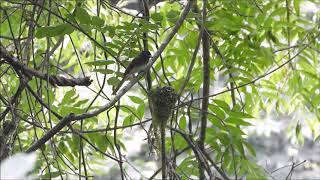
(163,100)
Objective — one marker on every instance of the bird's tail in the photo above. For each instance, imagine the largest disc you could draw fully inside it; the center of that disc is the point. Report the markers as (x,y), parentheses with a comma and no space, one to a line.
(119,86)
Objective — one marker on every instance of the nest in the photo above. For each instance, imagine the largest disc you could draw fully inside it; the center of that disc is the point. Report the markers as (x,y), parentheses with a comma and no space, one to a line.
(163,101)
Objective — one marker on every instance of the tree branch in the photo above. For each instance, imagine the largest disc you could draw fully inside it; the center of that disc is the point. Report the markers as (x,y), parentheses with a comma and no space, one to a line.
(54,80)
(206,88)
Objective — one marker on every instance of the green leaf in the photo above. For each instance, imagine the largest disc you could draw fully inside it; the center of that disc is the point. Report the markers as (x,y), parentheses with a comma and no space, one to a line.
(136,100)
(273,38)
(224,138)
(183,122)
(187,168)
(250,148)
(240,114)
(74,143)
(81,102)
(296,5)
(235,131)
(100,63)
(222,104)
(157,17)
(211,138)
(237,121)
(278,12)
(51,175)
(254,171)
(113,81)
(51,31)
(97,21)
(216,122)
(298,129)
(82,16)
(68,96)
(149,26)
(99,140)
(172,16)
(103,71)
(128,26)
(128,120)
(140,110)
(243,169)
(217,111)
(179,141)
(226,160)
(128,109)
(239,147)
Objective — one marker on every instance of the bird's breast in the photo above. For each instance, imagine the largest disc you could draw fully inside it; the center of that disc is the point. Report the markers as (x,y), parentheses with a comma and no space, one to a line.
(138,68)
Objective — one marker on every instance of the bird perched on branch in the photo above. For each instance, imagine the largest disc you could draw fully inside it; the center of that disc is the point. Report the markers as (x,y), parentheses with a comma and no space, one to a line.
(137,64)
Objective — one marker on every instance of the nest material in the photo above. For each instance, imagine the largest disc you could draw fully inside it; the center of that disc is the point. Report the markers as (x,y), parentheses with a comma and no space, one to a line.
(163,101)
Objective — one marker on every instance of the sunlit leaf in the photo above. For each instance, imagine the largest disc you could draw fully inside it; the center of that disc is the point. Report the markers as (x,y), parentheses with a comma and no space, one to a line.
(136,99)
(100,63)
(237,121)
(183,122)
(296,5)
(103,71)
(222,104)
(128,120)
(97,21)
(113,81)
(82,16)
(51,31)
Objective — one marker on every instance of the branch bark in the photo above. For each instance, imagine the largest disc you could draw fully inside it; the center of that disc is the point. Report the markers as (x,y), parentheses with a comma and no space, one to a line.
(206,88)
(54,80)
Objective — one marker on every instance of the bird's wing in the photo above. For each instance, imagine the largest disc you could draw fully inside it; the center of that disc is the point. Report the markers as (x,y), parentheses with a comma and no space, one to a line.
(135,63)
(133,67)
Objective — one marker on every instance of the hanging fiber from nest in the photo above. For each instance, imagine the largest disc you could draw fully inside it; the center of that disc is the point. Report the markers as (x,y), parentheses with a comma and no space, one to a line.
(163,100)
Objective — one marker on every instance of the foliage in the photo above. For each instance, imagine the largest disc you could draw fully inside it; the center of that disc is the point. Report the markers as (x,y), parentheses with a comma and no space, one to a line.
(264,54)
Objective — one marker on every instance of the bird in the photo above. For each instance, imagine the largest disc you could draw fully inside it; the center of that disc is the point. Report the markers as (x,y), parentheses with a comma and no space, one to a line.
(137,64)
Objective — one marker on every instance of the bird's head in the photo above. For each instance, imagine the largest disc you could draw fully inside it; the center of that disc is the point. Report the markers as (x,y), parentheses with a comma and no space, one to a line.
(145,54)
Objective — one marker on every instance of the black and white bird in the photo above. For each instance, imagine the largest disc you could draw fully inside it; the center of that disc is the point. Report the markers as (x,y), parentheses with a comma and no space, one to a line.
(137,64)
